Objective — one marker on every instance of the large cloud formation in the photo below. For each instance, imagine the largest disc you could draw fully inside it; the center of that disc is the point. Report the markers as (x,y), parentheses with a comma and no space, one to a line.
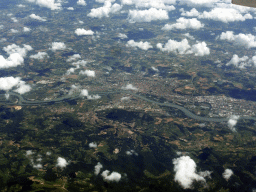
(51,4)
(142,45)
(16,55)
(105,10)
(246,40)
(183,23)
(149,15)
(8,83)
(242,62)
(183,47)
(185,169)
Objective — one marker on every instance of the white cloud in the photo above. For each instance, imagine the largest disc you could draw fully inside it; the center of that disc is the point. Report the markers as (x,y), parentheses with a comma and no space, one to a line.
(131,152)
(193,3)
(14,31)
(103,1)
(113,177)
(149,15)
(175,46)
(200,49)
(183,23)
(159,4)
(29,152)
(93,145)
(225,15)
(84,92)
(70,8)
(183,47)
(26,29)
(97,168)
(81,2)
(125,98)
(73,57)
(189,36)
(122,36)
(39,55)
(130,87)
(34,16)
(8,83)
(246,40)
(192,13)
(38,166)
(70,70)
(105,10)
(185,169)
(16,55)
(232,122)
(51,4)
(14,19)
(58,46)
(142,45)
(227,174)
(93,97)
(81,62)
(239,62)
(81,31)
(87,72)
(61,162)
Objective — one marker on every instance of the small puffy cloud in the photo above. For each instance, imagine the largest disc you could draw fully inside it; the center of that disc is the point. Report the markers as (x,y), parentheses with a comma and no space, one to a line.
(87,72)
(130,87)
(93,145)
(73,57)
(185,172)
(122,36)
(189,36)
(225,15)
(105,10)
(38,166)
(61,162)
(16,55)
(81,31)
(183,23)
(34,16)
(8,83)
(131,152)
(51,4)
(200,49)
(175,46)
(97,168)
(14,31)
(81,62)
(113,177)
(159,4)
(70,8)
(183,47)
(29,153)
(192,13)
(26,29)
(232,122)
(227,174)
(246,40)
(93,97)
(39,55)
(14,19)
(142,45)
(239,62)
(84,93)
(149,15)
(200,3)
(70,70)
(58,46)
(81,2)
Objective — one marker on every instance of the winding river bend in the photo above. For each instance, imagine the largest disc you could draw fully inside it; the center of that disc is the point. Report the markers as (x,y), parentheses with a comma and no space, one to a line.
(24,102)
